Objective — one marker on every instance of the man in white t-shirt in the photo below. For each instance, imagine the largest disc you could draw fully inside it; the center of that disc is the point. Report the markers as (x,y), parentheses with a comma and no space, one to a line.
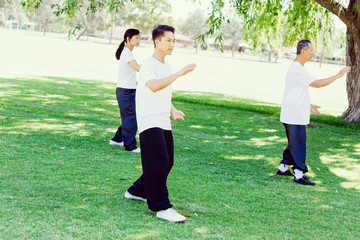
(153,109)
(295,111)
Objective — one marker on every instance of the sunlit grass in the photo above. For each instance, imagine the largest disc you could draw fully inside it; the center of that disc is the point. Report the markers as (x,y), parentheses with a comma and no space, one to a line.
(60,179)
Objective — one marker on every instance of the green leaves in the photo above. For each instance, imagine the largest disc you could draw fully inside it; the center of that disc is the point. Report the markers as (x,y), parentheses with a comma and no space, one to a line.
(275,23)
(31,4)
(266,22)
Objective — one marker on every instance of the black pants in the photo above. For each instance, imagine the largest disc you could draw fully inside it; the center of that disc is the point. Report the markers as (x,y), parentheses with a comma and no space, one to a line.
(295,152)
(127,131)
(157,158)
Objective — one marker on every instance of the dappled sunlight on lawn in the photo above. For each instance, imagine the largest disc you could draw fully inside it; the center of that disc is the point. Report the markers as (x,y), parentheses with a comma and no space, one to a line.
(79,207)
(218,97)
(325,206)
(230,137)
(7,93)
(111,130)
(63,97)
(10,93)
(352,177)
(148,234)
(261,130)
(243,157)
(344,167)
(201,230)
(196,126)
(4,85)
(224,175)
(99,110)
(49,124)
(59,81)
(77,114)
(357,149)
(265,141)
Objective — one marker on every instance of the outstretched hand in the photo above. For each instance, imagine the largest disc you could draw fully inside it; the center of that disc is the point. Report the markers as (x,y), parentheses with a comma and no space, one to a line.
(188,68)
(314,109)
(343,71)
(178,115)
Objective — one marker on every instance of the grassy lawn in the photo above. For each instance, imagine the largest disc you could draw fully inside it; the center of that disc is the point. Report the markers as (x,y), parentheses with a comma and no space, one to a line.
(60,179)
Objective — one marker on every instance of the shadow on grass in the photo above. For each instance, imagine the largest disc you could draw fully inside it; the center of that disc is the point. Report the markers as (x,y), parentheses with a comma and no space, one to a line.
(64,105)
(233,102)
(59,171)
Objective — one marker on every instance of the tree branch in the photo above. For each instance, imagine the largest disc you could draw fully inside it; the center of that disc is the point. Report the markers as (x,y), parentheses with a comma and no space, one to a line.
(339,10)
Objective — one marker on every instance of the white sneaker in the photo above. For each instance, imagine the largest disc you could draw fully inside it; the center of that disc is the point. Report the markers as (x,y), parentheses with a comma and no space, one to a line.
(170,215)
(120,144)
(130,196)
(136,150)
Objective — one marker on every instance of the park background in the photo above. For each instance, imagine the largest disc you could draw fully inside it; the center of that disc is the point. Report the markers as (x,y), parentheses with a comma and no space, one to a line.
(60,178)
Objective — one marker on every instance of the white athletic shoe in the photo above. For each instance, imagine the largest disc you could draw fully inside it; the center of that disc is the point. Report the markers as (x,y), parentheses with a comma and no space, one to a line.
(120,144)
(130,196)
(136,150)
(170,215)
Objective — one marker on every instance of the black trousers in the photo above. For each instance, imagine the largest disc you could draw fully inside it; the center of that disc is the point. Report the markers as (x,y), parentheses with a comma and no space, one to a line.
(127,131)
(295,152)
(157,158)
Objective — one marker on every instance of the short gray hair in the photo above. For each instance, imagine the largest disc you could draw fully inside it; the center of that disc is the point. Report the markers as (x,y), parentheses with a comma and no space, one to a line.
(303,44)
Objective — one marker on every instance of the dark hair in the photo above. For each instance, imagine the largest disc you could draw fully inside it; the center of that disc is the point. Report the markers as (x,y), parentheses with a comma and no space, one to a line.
(160,30)
(303,44)
(128,34)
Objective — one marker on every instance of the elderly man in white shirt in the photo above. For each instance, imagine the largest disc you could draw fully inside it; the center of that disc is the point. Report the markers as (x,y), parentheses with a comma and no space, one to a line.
(295,111)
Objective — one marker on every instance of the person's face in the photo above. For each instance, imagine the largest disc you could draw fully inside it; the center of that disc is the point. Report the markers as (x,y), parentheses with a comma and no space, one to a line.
(135,40)
(166,43)
(308,52)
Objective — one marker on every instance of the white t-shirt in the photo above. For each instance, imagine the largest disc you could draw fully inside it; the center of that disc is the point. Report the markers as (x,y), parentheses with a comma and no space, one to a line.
(153,108)
(295,107)
(126,75)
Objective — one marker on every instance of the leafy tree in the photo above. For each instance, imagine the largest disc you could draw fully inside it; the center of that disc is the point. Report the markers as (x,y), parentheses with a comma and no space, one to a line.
(298,19)
(12,11)
(232,31)
(91,22)
(144,15)
(292,19)
(194,25)
(44,15)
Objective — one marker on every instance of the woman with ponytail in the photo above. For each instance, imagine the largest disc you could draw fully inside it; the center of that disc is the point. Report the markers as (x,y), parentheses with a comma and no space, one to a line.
(125,92)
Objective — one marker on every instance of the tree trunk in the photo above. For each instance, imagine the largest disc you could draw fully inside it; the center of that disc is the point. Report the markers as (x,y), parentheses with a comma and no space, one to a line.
(81,34)
(44,29)
(322,55)
(45,25)
(111,33)
(352,114)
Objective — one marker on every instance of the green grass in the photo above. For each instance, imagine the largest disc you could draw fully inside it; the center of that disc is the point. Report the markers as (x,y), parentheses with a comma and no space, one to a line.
(60,179)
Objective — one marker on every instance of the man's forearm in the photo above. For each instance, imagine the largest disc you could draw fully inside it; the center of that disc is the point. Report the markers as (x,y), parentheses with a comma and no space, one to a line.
(156,85)
(324,82)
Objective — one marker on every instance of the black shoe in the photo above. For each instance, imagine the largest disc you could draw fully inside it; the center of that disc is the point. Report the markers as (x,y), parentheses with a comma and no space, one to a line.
(304,181)
(286,173)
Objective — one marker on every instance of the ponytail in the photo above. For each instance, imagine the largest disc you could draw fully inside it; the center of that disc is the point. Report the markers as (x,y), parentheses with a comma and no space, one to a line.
(128,34)
(119,50)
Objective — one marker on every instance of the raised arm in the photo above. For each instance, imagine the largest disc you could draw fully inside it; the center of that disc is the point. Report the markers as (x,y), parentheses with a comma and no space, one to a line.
(158,84)
(326,81)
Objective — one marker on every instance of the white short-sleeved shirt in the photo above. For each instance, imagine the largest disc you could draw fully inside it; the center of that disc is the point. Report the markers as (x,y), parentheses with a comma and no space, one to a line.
(153,108)
(126,74)
(295,107)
